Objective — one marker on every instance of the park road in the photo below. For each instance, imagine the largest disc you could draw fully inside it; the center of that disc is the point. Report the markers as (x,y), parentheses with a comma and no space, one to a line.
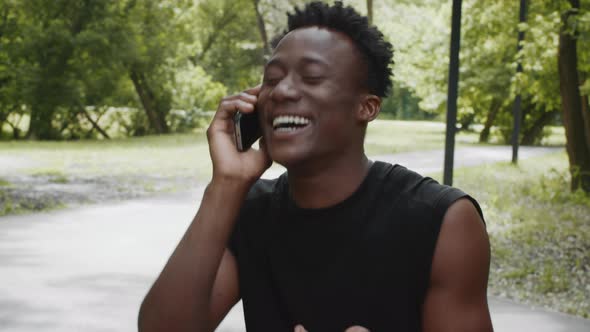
(87,269)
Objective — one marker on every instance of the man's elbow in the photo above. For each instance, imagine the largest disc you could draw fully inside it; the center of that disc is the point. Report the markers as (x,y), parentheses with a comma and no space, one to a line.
(157,317)
(150,319)
(143,317)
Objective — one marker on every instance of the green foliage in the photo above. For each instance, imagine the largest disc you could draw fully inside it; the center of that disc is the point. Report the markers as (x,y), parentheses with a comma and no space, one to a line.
(193,88)
(420,32)
(64,65)
(228,45)
(59,61)
(403,105)
(66,58)
(420,35)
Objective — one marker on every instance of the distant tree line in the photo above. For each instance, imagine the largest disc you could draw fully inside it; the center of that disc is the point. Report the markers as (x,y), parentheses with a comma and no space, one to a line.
(555,56)
(94,69)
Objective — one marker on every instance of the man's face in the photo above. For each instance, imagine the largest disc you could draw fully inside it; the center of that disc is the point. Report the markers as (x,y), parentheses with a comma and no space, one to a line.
(309,97)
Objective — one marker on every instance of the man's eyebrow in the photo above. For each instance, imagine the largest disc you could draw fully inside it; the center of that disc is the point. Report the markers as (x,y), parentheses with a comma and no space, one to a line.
(273,61)
(314,60)
(307,59)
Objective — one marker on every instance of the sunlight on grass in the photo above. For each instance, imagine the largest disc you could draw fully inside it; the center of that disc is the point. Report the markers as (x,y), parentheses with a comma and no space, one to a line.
(391,136)
(168,155)
(556,136)
(188,154)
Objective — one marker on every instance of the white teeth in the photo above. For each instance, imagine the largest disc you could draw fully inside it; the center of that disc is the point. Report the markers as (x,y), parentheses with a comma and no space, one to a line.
(289,119)
(285,129)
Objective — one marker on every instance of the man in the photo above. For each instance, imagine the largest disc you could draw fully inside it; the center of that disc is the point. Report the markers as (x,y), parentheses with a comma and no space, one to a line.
(338,242)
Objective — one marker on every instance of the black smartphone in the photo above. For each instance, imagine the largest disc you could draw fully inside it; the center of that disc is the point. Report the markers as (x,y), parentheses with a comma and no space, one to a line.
(246,129)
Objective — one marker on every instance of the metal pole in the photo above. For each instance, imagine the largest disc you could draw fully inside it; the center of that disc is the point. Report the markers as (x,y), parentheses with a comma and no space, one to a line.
(452,93)
(517,112)
(370,11)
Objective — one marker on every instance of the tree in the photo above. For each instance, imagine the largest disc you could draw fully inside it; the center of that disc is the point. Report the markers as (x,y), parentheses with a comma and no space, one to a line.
(228,43)
(576,117)
(420,33)
(58,63)
(488,54)
(55,38)
(9,91)
(155,34)
(261,27)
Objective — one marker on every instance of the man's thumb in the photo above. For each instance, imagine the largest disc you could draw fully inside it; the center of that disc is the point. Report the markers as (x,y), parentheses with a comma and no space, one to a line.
(300,328)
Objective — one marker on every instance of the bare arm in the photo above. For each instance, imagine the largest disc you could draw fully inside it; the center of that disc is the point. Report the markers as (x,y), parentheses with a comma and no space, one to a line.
(457,298)
(199,283)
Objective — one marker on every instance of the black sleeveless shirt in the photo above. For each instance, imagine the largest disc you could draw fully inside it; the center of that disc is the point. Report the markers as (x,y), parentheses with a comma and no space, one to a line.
(365,261)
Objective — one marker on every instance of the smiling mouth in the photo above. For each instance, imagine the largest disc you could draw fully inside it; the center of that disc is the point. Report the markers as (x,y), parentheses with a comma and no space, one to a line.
(288,123)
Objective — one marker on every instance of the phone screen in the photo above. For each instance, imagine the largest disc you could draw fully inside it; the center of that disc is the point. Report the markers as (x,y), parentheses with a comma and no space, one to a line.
(247,129)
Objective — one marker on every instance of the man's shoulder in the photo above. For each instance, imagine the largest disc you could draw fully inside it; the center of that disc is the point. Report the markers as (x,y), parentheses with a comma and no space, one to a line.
(413,188)
(407,182)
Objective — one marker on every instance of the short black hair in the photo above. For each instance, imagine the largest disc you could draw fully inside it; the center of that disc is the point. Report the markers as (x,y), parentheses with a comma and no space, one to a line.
(377,52)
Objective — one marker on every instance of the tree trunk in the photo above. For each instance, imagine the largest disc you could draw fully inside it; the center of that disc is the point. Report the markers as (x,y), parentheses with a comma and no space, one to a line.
(495,105)
(40,124)
(571,100)
(531,134)
(586,117)
(15,131)
(261,27)
(148,101)
(42,112)
(370,11)
(465,122)
(94,123)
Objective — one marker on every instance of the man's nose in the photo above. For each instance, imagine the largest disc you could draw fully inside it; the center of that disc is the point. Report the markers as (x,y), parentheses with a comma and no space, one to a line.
(285,90)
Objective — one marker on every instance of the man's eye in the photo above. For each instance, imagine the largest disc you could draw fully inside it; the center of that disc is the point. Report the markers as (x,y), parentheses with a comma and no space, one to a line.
(271,80)
(312,79)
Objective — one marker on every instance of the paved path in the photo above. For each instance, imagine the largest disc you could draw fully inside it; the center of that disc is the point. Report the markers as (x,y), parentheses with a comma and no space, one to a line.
(87,269)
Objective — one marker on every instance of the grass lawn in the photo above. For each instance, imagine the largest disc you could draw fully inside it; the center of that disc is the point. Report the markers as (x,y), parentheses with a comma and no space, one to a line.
(45,175)
(40,175)
(187,154)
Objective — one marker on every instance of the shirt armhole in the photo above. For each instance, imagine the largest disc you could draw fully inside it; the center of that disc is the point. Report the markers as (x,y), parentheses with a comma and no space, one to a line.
(450,196)
(232,244)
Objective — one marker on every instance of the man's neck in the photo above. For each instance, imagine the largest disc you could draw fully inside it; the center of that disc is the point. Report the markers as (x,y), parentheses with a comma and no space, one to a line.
(330,184)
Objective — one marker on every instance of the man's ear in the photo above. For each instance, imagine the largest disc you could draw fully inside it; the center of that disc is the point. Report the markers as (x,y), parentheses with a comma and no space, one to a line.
(369,108)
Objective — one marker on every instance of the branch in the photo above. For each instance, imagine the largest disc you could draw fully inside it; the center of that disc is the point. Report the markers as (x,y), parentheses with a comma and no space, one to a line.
(227,17)
(4,21)
(261,27)
(95,125)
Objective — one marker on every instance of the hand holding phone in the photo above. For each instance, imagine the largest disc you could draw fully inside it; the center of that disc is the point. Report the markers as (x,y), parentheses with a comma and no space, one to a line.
(228,163)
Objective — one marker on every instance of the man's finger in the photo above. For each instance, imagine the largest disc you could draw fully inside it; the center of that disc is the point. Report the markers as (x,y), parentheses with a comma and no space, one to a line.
(227,108)
(300,328)
(247,97)
(261,155)
(254,91)
(357,328)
